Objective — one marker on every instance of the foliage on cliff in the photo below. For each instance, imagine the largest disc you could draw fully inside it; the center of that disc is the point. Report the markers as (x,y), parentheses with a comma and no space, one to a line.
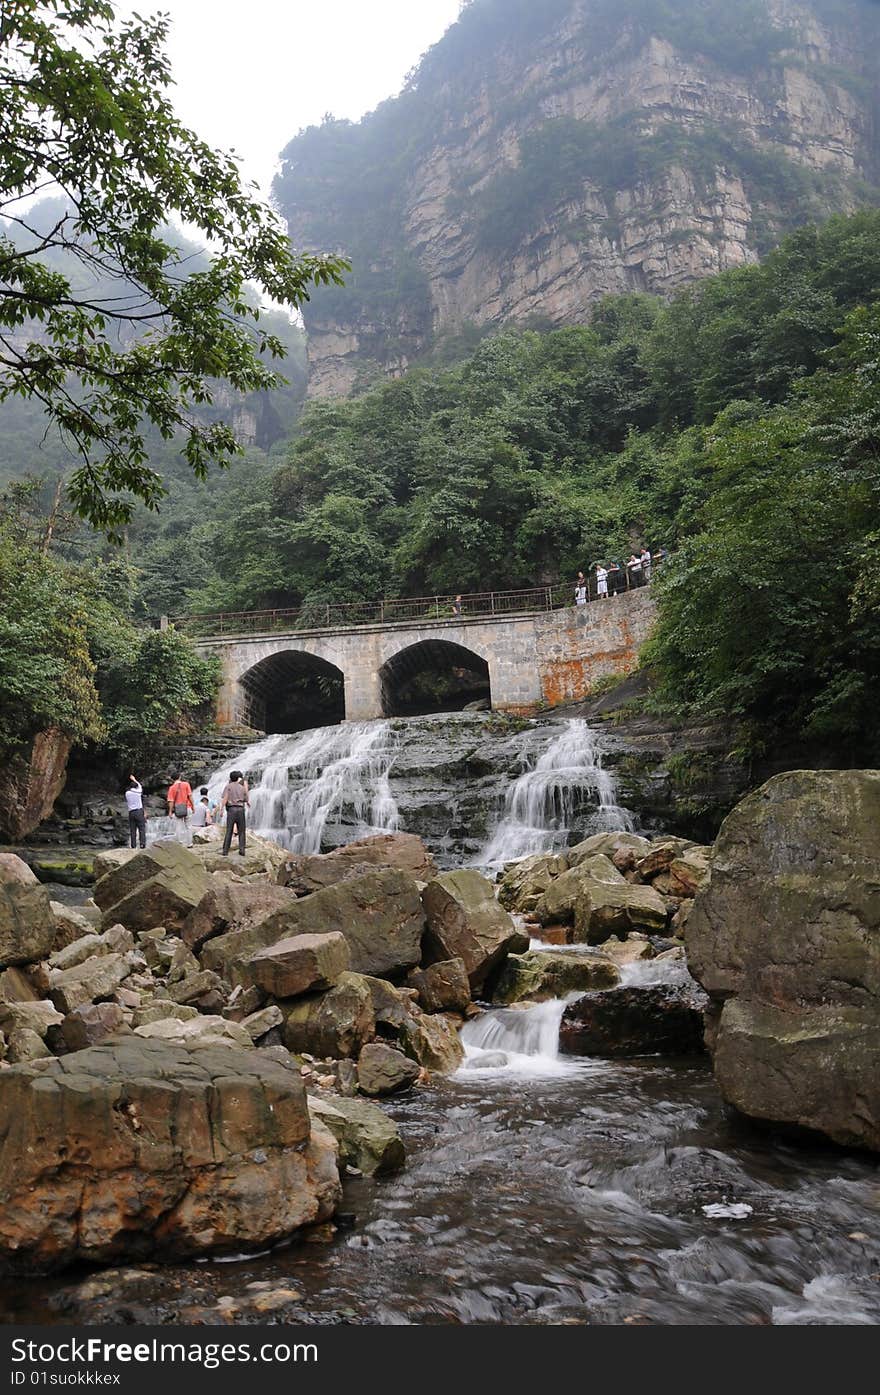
(70,656)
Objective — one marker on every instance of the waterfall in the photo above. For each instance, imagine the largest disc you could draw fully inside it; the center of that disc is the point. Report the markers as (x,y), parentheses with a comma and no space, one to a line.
(318,782)
(543,805)
(521,1039)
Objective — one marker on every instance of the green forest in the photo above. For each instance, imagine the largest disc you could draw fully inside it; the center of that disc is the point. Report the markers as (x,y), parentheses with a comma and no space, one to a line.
(738,426)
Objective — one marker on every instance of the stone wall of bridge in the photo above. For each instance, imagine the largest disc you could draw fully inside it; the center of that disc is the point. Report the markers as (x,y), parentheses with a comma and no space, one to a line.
(541,659)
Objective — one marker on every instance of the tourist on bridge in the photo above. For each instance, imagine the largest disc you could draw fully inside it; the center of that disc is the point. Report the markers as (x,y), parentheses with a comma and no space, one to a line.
(646,565)
(615,578)
(180,803)
(137,819)
(456,607)
(634,567)
(235,800)
(601,581)
(580,590)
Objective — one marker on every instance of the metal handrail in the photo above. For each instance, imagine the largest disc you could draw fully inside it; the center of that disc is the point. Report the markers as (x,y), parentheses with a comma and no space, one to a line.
(396,610)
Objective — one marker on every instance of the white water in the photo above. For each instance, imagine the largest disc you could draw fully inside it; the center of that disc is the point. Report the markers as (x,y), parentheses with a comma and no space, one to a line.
(540,808)
(524,1040)
(305,785)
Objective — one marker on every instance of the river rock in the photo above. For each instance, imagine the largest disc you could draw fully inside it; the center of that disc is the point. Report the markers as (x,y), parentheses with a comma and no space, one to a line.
(229,905)
(786,940)
(90,1025)
(381,1070)
(26,1045)
(70,925)
(466,922)
(137,1148)
(379,913)
(27,924)
(557,904)
(16,986)
(33,1016)
(606,845)
(391,1006)
(442,987)
(263,1021)
(633,950)
(433,1041)
(662,1019)
(602,910)
(195,1031)
(367,1138)
(88,982)
(204,990)
(160,885)
(405,851)
(299,964)
(542,975)
(524,882)
(91,946)
(689,872)
(159,1009)
(336,1023)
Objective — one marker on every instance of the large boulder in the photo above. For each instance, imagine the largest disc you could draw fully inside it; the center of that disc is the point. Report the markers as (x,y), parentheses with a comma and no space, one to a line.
(230,905)
(382,1070)
(337,1023)
(405,851)
(556,906)
(442,987)
(367,1138)
(607,845)
(160,885)
(538,976)
(785,938)
(88,982)
(524,882)
(299,964)
(263,857)
(602,910)
(464,921)
(662,1019)
(433,1041)
(27,924)
(70,925)
(378,912)
(138,1148)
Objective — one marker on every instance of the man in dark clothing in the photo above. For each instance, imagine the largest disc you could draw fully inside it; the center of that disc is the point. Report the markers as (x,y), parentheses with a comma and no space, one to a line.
(137,819)
(235,800)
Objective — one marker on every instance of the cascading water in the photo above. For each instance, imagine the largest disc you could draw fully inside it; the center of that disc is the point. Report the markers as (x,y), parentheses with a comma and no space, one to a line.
(541,807)
(308,786)
(524,1039)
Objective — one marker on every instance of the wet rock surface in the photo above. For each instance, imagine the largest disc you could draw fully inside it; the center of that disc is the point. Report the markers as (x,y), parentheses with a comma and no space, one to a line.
(657,1019)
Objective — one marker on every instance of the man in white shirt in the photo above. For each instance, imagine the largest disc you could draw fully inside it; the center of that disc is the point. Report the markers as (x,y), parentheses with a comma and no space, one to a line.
(137,819)
(601,580)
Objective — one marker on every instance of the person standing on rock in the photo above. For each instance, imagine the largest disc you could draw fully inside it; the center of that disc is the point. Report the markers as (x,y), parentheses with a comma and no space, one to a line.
(180,803)
(235,800)
(137,819)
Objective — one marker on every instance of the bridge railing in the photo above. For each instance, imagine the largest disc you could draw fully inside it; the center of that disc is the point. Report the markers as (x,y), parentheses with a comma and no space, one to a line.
(403,610)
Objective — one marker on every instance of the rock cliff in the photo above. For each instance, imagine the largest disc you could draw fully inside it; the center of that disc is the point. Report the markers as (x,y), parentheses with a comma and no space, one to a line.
(541,157)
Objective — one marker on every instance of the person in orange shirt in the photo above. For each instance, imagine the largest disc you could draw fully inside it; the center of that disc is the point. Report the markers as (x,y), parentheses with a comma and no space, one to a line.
(180,804)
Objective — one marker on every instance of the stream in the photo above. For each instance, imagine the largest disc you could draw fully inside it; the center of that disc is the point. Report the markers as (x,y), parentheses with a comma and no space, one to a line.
(538,1189)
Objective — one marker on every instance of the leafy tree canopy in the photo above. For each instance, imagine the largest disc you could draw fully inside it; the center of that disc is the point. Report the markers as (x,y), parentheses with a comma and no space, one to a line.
(102,319)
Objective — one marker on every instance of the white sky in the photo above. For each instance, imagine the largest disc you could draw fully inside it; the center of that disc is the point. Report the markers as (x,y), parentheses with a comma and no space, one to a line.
(251,73)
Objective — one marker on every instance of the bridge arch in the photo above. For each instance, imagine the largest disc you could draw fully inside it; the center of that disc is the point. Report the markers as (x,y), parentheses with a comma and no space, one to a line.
(433,675)
(291,690)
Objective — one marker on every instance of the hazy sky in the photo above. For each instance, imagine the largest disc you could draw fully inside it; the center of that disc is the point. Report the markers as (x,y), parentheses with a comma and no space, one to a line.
(250,73)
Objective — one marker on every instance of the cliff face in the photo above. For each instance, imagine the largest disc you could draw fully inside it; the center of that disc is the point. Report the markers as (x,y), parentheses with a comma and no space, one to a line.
(535,163)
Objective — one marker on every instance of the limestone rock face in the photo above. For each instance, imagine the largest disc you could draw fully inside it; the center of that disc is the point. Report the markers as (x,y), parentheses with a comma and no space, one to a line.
(466,922)
(378,912)
(663,1019)
(137,1148)
(786,938)
(160,885)
(543,975)
(27,924)
(30,783)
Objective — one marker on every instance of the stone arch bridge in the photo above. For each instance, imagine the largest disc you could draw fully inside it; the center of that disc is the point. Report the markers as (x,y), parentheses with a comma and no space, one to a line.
(530,660)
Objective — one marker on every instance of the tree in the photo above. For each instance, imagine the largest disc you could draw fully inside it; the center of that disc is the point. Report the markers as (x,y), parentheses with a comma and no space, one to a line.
(101,319)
